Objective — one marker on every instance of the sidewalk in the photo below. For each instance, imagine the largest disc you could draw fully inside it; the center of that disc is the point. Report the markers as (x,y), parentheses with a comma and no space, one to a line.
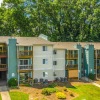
(91,81)
(95,84)
(4,93)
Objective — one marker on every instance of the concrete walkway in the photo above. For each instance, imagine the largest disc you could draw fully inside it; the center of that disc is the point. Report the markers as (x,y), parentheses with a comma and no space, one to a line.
(91,81)
(96,84)
(4,93)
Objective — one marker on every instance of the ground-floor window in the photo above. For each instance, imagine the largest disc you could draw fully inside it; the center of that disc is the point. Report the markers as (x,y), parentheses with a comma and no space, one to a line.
(45,74)
(24,77)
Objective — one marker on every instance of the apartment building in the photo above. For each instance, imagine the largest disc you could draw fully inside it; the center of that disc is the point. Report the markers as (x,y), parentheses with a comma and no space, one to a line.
(29,58)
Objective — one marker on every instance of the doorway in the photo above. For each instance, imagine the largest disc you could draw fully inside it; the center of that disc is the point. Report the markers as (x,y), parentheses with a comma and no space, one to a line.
(3,78)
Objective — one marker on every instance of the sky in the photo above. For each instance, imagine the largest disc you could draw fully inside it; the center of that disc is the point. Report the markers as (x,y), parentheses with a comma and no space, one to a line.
(0,1)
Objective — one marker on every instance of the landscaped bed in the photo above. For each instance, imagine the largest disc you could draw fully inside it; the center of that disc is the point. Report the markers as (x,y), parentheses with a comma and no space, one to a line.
(72,90)
(15,95)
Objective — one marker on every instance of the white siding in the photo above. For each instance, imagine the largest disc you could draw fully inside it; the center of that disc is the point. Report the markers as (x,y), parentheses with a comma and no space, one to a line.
(38,66)
(60,67)
(39,74)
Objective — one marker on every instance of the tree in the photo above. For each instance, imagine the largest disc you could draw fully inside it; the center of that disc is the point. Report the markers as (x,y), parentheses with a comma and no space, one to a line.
(60,20)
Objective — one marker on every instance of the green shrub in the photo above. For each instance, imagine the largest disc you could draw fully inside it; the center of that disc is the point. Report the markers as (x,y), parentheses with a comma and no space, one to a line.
(12,82)
(60,95)
(48,91)
(91,76)
(52,85)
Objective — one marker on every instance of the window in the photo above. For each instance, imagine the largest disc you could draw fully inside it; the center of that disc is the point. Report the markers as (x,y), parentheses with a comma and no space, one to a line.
(45,74)
(70,62)
(23,62)
(23,48)
(54,52)
(0,48)
(44,48)
(54,62)
(45,61)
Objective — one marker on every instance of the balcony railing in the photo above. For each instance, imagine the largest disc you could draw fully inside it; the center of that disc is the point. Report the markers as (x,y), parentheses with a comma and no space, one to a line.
(25,67)
(72,56)
(25,54)
(98,67)
(98,55)
(3,67)
(75,66)
(3,53)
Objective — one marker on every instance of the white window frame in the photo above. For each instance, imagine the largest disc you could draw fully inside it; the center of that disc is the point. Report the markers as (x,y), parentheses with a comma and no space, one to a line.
(23,63)
(21,48)
(45,74)
(45,61)
(44,48)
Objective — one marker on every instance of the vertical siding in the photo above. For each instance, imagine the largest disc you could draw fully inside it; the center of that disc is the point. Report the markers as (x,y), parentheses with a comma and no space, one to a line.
(89,59)
(60,67)
(12,59)
(78,46)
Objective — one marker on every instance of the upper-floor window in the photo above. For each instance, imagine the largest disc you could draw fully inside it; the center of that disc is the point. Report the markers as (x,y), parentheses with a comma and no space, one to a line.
(45,61)
(44,48)
(23,62)
(54,51)
(98,51)
(24,48)
(54,62)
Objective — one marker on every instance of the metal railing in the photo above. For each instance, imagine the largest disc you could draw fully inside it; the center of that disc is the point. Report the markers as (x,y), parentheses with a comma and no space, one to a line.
(72,56)
(25,53)
(74,66)
(3,66)
(3,53)
(25,67)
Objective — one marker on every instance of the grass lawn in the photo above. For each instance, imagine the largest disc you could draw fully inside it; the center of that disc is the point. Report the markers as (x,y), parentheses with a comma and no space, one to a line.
(15,95)
(0,97)
(86,92)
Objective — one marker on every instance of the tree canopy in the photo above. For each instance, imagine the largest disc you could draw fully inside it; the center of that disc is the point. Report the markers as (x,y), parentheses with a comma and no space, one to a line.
(60,20)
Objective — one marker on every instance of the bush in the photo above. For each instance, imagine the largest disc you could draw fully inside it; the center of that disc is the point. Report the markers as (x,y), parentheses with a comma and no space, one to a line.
(48,91)
(60,95)
(12,82)
(52,85)
(91,76)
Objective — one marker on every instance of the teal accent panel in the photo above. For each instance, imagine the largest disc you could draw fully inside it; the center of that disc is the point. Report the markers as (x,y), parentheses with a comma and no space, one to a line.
(86,55)
(12,59)
(89,59)
(78,46)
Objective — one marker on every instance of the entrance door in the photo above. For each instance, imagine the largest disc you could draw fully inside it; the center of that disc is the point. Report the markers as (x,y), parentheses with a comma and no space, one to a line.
(3,75)
(3,78)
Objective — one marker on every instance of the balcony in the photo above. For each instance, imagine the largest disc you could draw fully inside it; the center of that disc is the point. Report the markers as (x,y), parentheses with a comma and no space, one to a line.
(25,68)
(75,66)
(25,54)
(98,67)
(3,67)
(72,56)
(98,55)
(3,54)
